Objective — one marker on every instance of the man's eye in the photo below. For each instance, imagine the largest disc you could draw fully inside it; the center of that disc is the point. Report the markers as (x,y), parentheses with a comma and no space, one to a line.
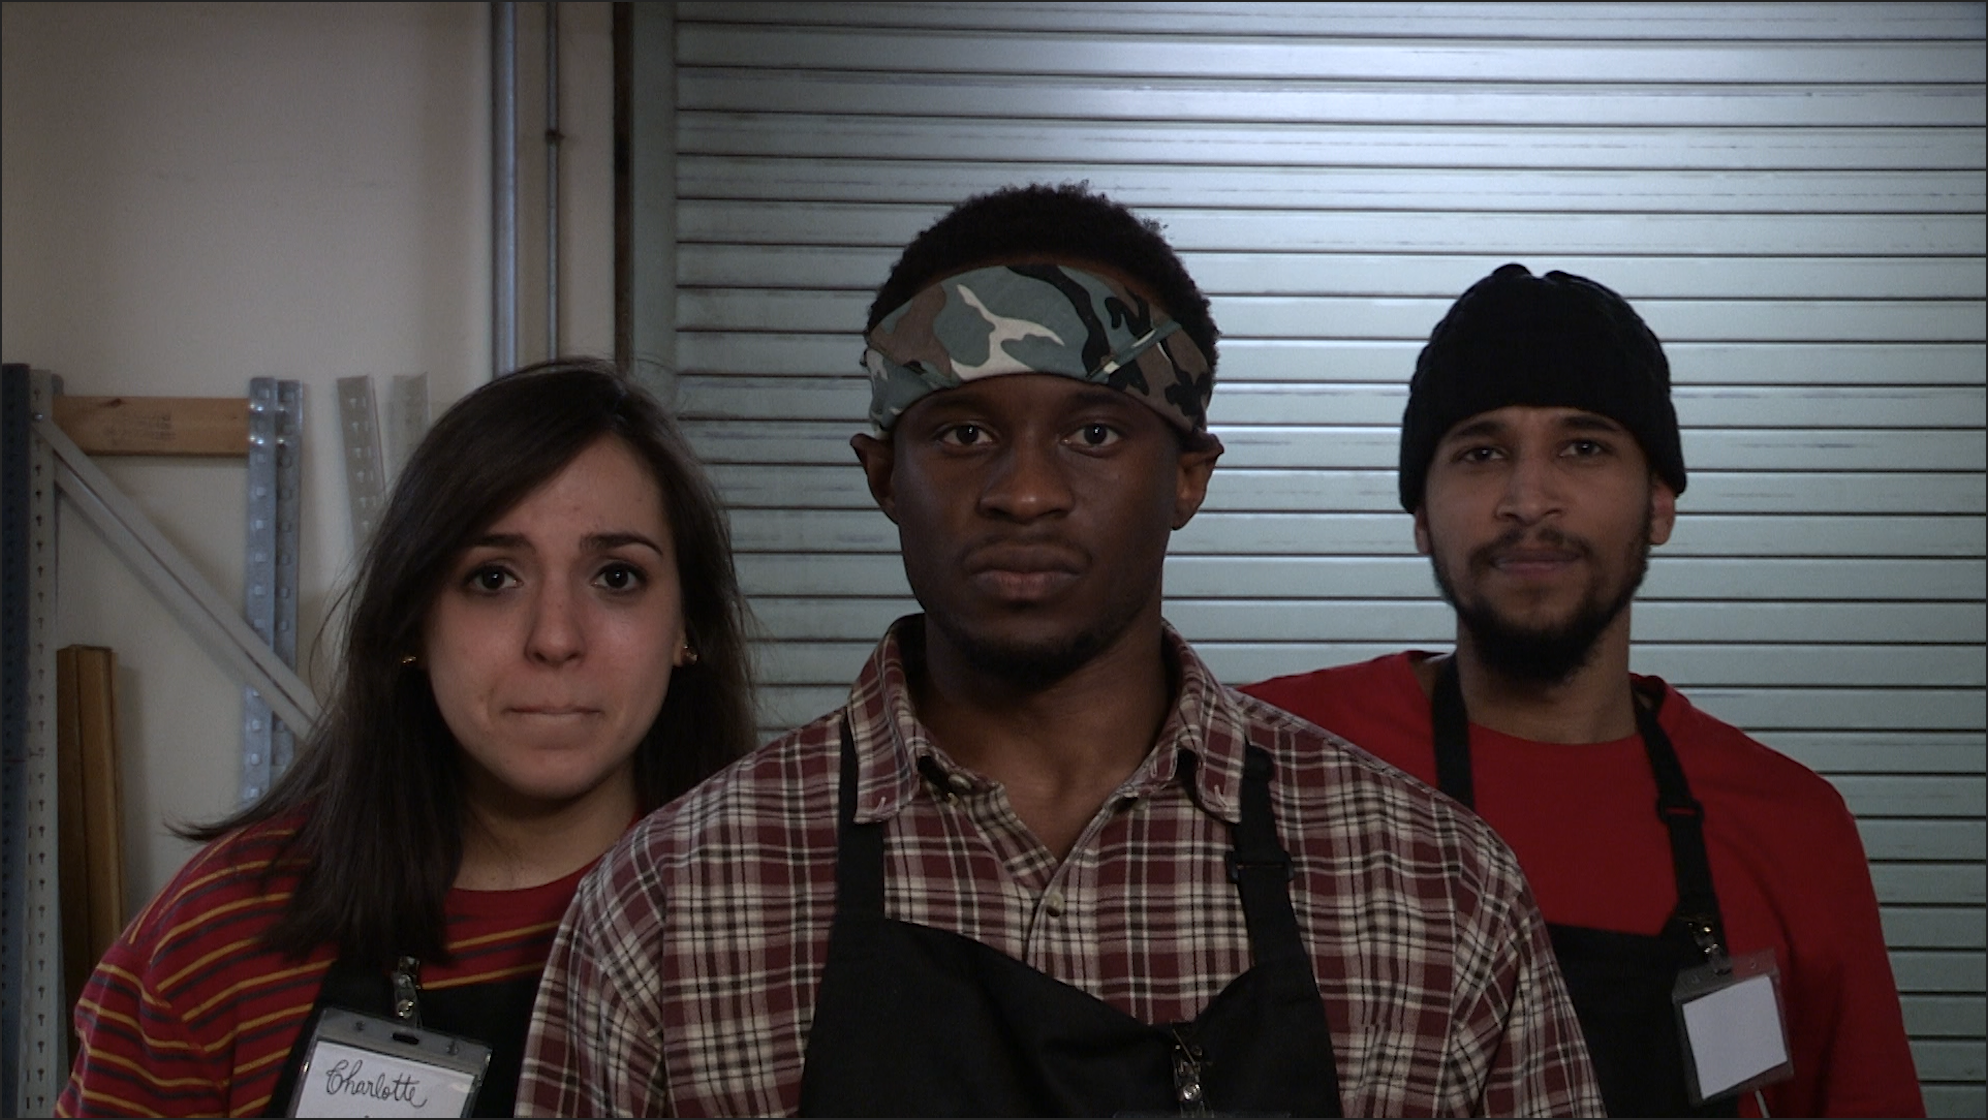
(1098,435)
(963,435)
(1583,448)
(1477,455)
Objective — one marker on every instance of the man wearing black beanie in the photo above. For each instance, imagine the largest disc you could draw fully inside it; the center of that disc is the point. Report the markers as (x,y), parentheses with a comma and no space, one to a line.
(1709,899)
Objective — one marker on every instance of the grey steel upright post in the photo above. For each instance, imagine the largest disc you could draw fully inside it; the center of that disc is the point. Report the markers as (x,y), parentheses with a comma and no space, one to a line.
(33,1056)
(365,476)
(16,434)
(270,589)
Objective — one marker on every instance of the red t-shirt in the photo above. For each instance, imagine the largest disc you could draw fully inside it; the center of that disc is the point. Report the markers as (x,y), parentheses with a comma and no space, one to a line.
(1787,863)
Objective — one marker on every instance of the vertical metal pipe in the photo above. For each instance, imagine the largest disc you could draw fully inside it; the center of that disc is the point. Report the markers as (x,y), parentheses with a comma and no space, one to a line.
(623,23)
(552,139)
(504,186)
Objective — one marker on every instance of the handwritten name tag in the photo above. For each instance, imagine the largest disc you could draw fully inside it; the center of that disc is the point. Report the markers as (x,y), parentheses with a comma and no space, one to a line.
(359,1065)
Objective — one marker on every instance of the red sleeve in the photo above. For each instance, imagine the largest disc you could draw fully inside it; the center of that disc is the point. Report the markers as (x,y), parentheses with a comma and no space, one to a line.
(188,1014)
(134,1057)
(1846,1028)
(1376,705)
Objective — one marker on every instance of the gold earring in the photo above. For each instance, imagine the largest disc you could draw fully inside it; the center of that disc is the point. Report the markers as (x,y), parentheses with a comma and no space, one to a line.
(407,659)
(689,655)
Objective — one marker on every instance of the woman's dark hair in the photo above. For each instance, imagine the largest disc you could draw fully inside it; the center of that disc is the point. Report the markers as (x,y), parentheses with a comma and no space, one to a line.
(1068,220)
(378,782)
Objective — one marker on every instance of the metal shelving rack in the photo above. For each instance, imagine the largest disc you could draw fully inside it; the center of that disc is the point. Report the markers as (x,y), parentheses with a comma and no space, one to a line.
(31,1027)
(40,460)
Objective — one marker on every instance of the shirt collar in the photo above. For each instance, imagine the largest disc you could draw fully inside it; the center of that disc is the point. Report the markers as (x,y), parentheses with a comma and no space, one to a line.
(893,747)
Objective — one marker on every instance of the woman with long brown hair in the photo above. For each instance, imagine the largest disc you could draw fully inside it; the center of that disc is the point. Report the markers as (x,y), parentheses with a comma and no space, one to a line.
(545,642)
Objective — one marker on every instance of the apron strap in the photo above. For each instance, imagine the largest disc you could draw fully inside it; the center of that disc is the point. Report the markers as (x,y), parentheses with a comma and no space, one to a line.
(346,984)
(1261,868)
(859,848)
(1683,817)
(1452,729)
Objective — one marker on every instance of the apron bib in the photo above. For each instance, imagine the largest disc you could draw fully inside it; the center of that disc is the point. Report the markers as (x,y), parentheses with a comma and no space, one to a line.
(911,1020)
(1620,983)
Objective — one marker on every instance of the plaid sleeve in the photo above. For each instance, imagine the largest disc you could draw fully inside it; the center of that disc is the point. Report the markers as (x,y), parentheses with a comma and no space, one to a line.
(1540,1066)
(595,1046)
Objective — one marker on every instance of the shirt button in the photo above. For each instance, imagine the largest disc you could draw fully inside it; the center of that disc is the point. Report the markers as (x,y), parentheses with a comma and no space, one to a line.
(1053,903)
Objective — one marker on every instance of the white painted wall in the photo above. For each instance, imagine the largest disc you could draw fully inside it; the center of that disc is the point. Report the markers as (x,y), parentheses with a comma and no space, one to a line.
(198,194)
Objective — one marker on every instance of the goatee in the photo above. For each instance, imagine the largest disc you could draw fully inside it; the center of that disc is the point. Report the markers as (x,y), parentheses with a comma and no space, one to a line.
(1543,655)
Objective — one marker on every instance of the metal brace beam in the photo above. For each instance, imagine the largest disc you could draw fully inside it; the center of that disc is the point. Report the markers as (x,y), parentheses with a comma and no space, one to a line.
(178,584)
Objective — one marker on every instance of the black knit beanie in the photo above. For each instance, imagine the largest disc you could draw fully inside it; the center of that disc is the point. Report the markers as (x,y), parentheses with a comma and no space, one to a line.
(1554,341)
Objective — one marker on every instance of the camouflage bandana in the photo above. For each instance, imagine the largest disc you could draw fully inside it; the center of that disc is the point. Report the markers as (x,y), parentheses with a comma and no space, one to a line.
(1035,318)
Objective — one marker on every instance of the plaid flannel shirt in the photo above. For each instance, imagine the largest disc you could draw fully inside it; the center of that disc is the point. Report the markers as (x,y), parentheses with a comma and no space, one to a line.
(683,980)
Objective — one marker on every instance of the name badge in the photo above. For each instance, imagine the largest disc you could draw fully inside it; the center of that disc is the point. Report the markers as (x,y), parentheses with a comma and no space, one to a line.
(1730,1019)
(362,1065)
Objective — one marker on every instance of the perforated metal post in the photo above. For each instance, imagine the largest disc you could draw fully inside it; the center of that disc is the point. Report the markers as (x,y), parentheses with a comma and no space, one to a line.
(14,552)
(270,587)
(289,543)
(365,481)
(33,1053)
(406,419)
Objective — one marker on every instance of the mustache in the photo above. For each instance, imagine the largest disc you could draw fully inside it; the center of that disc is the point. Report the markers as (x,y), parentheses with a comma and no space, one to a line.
(1520,538)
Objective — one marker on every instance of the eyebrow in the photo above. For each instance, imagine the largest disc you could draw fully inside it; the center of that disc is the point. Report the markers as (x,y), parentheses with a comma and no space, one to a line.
(1089,397)
(592,542)
(1578,421)
(1591,422)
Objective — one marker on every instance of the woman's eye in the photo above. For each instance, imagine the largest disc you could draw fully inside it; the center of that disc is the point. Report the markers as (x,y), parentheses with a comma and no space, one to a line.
(490,579)
(620,577)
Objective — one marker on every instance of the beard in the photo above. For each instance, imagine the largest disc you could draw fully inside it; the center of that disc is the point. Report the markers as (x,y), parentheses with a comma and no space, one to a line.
(1553,653)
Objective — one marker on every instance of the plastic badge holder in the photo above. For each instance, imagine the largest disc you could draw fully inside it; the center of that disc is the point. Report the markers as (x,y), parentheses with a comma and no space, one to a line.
(1730,1018)
(362,1065)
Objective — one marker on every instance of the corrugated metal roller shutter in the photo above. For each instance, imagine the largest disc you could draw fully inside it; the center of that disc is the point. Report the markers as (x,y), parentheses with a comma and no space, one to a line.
(1793,196)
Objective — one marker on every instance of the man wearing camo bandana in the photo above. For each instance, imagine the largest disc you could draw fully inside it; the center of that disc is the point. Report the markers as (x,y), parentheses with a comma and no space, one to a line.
(1042,862)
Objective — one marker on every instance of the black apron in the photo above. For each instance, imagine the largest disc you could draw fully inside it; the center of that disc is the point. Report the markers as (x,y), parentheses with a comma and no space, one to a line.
(497,1014)
(1621,983)
(915,1021)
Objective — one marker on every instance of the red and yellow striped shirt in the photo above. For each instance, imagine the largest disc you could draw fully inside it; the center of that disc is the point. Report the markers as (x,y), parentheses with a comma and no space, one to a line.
(190,1014)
